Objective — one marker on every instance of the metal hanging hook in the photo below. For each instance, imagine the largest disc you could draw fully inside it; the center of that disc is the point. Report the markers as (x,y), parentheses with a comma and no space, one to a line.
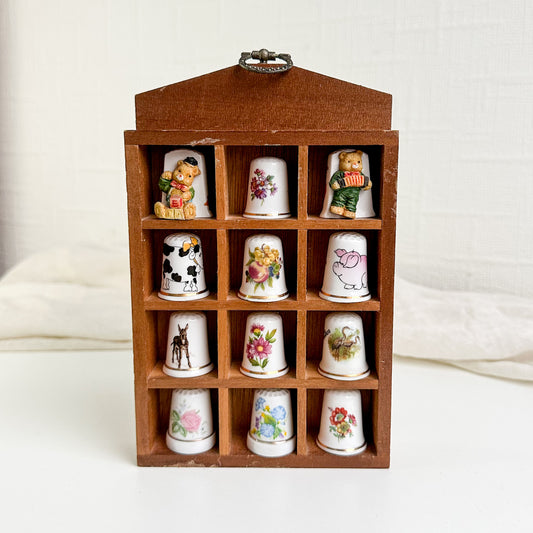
(263,56)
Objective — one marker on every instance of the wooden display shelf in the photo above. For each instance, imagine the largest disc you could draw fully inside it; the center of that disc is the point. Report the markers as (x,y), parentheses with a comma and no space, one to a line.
(302,117)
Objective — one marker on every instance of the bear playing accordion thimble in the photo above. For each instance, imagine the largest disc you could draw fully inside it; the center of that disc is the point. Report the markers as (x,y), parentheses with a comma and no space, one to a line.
(348,186)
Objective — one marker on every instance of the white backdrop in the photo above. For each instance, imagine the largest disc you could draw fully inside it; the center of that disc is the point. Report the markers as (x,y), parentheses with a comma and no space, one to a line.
(461,74)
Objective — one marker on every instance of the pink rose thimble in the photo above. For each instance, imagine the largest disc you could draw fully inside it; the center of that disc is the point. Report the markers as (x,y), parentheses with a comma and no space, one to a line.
(187,346)
(345,273)
(343,351)
(268,190)
(190,427)
(263,271)
(183,275)
(271,429)
(264,352)
(341,423)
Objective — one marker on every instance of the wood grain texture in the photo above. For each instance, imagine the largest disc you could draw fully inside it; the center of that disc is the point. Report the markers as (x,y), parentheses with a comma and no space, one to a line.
(236,99)
(302,124)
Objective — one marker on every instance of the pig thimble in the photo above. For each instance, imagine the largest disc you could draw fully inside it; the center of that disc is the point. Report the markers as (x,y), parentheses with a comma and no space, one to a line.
(345,273)
(268,190)
(341,423)
(183,268)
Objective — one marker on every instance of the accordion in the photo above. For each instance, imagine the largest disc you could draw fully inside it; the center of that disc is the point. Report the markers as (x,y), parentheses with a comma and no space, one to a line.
(352,179)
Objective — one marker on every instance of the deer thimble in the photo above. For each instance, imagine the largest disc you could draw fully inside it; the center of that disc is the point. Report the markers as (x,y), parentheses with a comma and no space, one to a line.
(268,190)
(263,271)
(187,346)
(343,351)
(190,427)
(341,423)
(183,268)
(345,273)
(271,429)
(264,352)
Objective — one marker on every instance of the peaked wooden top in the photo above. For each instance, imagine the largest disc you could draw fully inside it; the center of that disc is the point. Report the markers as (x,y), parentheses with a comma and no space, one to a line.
(234,99)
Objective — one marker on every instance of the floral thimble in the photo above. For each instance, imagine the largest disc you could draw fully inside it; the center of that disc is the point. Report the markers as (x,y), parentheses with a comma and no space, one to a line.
(263,271)
(345,273)
(348,186)
(187,346)
(341,423)
(264,353)
(183,268)
(271,430)
(190,427)
(343,350)
(268,190)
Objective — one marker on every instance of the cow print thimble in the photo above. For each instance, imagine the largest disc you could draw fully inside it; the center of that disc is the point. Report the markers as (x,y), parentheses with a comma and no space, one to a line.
(345,274)
(182,277)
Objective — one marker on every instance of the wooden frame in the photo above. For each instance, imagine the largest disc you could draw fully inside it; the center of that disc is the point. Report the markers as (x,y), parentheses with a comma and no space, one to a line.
(228,154)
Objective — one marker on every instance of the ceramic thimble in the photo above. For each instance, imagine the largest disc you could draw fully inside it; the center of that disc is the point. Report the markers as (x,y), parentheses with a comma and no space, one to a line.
(190,428)
(183,268)
(187,347)
(343,350)
(184,171)
(264,353)
(271,430)
(263,271)
(345,274)
(268,190)
(348,186)
(341,423)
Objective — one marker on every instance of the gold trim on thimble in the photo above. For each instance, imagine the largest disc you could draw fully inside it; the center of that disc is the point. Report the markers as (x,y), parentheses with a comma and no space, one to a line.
(181,294)
(348,450)
(345,297)
(320,369)
(242,295)
(190,440)
(187,369)
(269,441)
(264,373)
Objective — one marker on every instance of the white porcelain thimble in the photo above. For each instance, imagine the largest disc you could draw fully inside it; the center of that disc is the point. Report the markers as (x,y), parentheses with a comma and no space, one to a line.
(183,268)
(343,351)
(345,274)
(268,190)
(264,353)
(187,346)
(341,423)
(271,430)
(190,428)
(263,271)
(357,200)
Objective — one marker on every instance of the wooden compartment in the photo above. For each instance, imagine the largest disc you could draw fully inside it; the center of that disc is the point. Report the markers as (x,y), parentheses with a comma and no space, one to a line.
(233,116)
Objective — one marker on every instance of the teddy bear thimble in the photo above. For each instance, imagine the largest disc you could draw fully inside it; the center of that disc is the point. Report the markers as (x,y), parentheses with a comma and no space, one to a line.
(190,427)
(263,271)
(341,423)
(264,353)
(271,429)
(183,268)
(343,350)
(268,190)
(187,347)
(345,273)
(348,186)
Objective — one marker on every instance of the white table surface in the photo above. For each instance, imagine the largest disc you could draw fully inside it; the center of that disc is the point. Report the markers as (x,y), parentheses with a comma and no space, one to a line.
(461,460)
